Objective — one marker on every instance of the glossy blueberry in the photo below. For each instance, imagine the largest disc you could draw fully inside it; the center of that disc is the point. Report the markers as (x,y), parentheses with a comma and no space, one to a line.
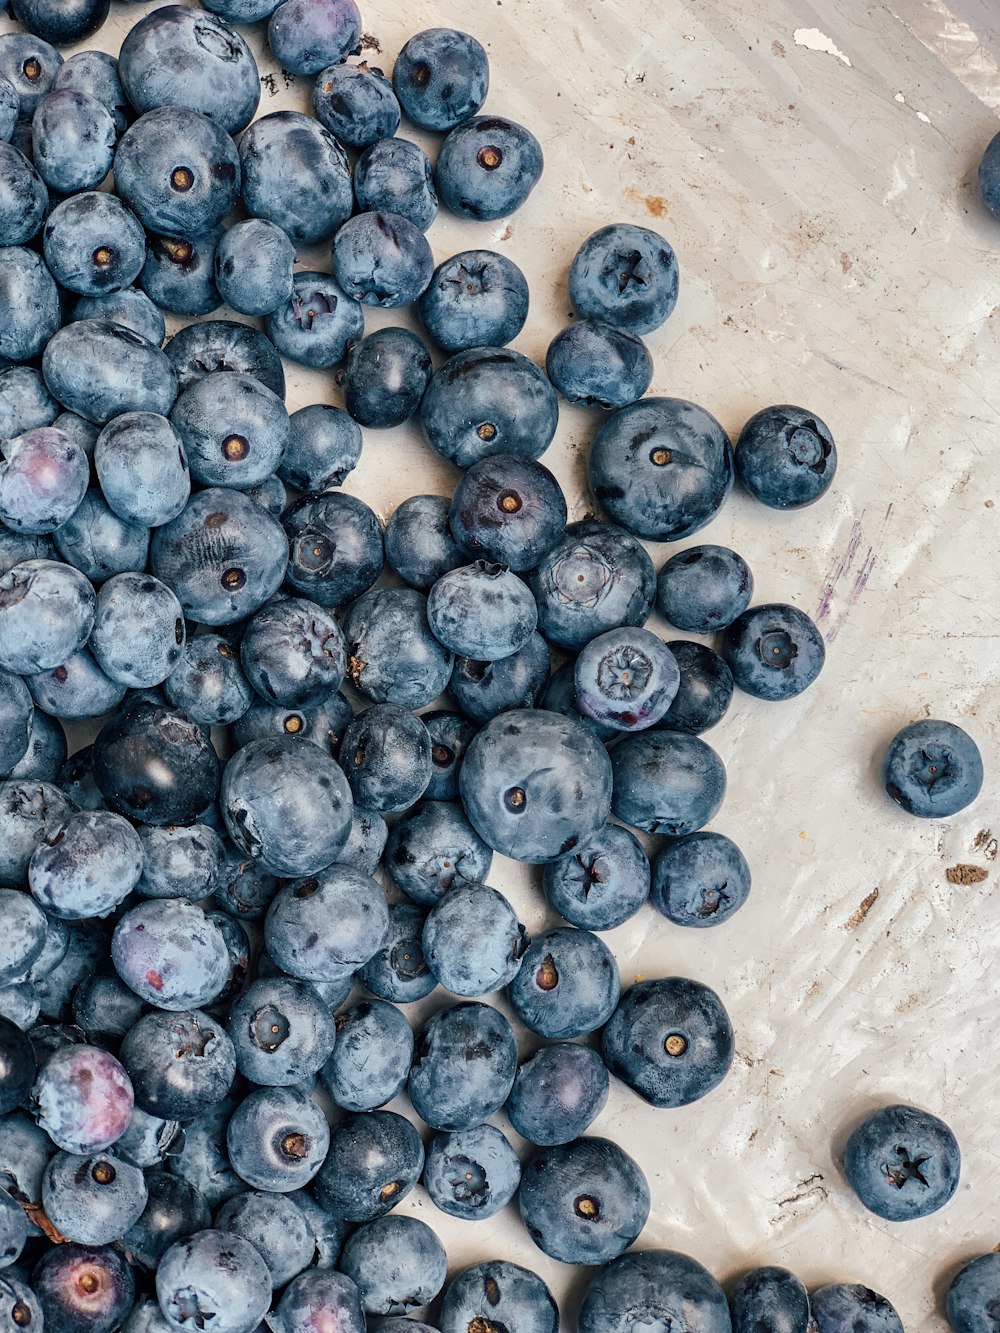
(487,167)
(356,104)
(385,376)
(295,174)
(845,1307)
(101,370)
(666,782)
(558,1093)
(662,468)
(13,1230)
(492,1292)
(786,457)
(509,510)
(177,56)
(233,428)
(43,477)
(100,544)
(371,1059)
(626,678)
(215,1278)
(398,1264)
(484,689)
(138,633)
(520,784)
(318,1297)
(202,1161)
(153,763)
(46,614)
(772,1298)
(386,754)
(223,555)
(86,866)
(366,840)
(471,1174)
(603,884)
(253,267)
(142,469)
(653,1287)
(96,72)
(46,752)
(397,971)
(475,299)
(418,541)
(322,724)
(670,1040)
(482,610)
(30,64)
(973,1298)
(17,1069)
(277,1139)
(82,1287)
(129,307)
(318,322)
(327,926)
(171,954)
(25,403)
(932,769)
(288,809)
(434,849)
(83,1098)
(700,880)
(441,77)
(221,344)
(29,304)
(382,259)
(323,447)
(208,682)
(463,1067)
(488,400)
(392,655)
(281,1031)
(181,1064)
(179,273)
(178,171)
(567,985)
(93,1200)
(23,198)
(394,176)
(73,140)
(583,1202)
(902,1163)
(705,689)
(275,1226)
(774,651)
(593,363)
(374,1161)
(306,35)
(292,652)
(704,588)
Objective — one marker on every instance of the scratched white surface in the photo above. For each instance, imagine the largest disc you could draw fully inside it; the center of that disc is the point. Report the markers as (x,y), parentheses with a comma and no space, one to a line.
(813,167)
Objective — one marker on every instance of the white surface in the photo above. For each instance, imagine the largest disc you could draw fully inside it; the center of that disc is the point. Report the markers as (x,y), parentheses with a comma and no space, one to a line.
(813,167)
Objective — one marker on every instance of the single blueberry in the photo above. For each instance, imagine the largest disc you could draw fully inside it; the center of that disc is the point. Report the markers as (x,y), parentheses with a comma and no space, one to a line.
(700,880)
(487,168)
(774,651)
(394,176)
(593,363)
(441,77)
(902,1163)
(626,276)
(655,1287)
(601,885)
(558,1093)
(786,457)
(933,769)
(474,299)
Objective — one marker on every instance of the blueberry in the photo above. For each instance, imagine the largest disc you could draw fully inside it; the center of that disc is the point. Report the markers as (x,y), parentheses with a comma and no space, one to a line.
(509,510)
(86,866)
(46,752)
(496,1292)
(398,1264)
(73,140)
(25,403)
(96,72)
(567,985)
(386,756)
(482,610)
(25,1148)
(242,11)
(374,1161)
(216,1276)
(93,1200)
(176,56)
(704,588)
(17,1067)
(488,400)
(16,708)
(385,376)
(418,541)
(382,259)
(28,809)
(902,1163)
(326,926)
(774,651)
(397,971)
(932,769)
(845,1307)
(475,299)
(655,1287)
(24,935)
(253,267)
(394,176)
(583,1202)
(770,1297)
(371,1059)
(295,175)
(170,954)
(101,370)
(988,176)
(274,1225)
(202,1161)
(29,304)
(356,104)
(974,1293)
(662,468)
(23,198)
(46,614)
(221,344)
(306,35)
(181,1063)
(142,469)
(129,307)
(700,880)
(471,1174)
(138,633)
(487,167)
(484,689)
(83,1099)
(208,682)
(666,782)
(317,323)
(318,1297)
(626,276)
(558,1093)
(392,655)
(103,1004)
(450,734)
(786,457)
(13,1231)
(148,1139)
(179,273)
(9,108)
(625,678)
(61,22)
(293,653)
(520,784)
(601,885)
(81,1287)
(277,1139)
(670,1040)
(43,477)
(281,1031)
(323,447)
(242,887)
(153,763)
(434,849)
(30,64)
(223,555)
(594,363)
(473,941)
(98,543)
(705,689)
(463,1067)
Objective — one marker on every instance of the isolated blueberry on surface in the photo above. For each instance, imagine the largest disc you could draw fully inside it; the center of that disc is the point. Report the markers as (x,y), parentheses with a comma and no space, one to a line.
(626,276)
(902,1163)
(933,769)
(786,457)
(385,376)
(774,651)
(655,1287)
(700,880)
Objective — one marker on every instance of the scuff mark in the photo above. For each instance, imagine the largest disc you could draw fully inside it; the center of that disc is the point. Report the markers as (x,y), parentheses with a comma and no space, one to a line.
(845,566)
(654,204)
(865,906)
(838,571)
(814,40)
(810,1190)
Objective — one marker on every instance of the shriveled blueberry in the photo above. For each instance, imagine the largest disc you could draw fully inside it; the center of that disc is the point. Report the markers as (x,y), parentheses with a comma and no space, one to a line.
(382,259)
(393,175)
(356,104)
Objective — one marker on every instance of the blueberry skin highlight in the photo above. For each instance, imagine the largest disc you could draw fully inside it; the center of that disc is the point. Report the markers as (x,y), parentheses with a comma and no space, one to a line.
(471,1174)
(477,298)
(558,1093)
(153,764)
(684,1040)
(903,1163)
(43,478)
(774,651)
(395,176)
(567,984)
(25,403)
(700,880)
(583,1202)
(373,1162)
(295,175)
(170,954)
(650,1287)
(603,884)
(487,168)
(306,35)
(46,615)
(213,1271)
(845,1307)
(662,468)
(463,1068)
(323,448)
(356,104)
(598,365)
(371,1060)
(418,541)
(770,1297)
(626,276)
(381,259)
(933,769)
(29,304)
(385,376)
(441,77)
(972,1296)
(786,457)
(25,937)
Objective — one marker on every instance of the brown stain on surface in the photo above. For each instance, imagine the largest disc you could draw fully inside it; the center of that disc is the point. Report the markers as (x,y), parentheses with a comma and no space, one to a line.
(866,905)
(965,875)
(654,204)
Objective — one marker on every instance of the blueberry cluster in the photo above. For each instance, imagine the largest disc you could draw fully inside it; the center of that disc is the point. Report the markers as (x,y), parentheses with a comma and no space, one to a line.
(213,914)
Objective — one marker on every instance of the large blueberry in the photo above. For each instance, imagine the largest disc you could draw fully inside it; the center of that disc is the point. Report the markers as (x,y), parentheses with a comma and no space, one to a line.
(153,763)
(666,782)
(100,370)
(371,1060)
(398,1264)
(473,941)
(296,175)
(625,678)
(170,953)
(441,77)
(216,1275)
(508,509)
(655,1288)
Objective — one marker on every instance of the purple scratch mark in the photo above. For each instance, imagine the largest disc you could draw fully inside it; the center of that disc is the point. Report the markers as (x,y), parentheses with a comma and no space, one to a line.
(861,577)
(839,570)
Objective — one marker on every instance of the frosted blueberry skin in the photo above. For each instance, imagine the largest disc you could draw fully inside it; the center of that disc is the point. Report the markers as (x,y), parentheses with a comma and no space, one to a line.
(46,614)
(30,300)
(382,259)
(392,655)
(441,77)
(204,349)
(274,1225)
(477,298)
(170,954)
(253,267)
(43,478)
(471,1174)
(281,1032)
(700,880)
(567,984)
(933,769)
(371,1060)
(102,370)
(473,941)
(666,782)
(208,682)
(31,65)
(318,323)
(83,1098)
(704,588)
(625,678)
(307,35)
(17,1075)
(73,138)
(86,866)
(327,926)
(61,22)
(46,752)
(100,544)
(23,198)
(595,364)
(28,809)
(202,1161)
(393,175)
(626,276)
(661,468)
(495,1291)
(398,1264)
(129,307)
(487,168)
(93,1199)
(277,1139)
(213,1272)
(179,273)
(9,107)
(397,971)
(366,840)
(484,689)
(601,885)
(772,1297)
(483,611)
(319,1296)
(902,1163)
(356,104)
(583,1202)
(293,653)
(558,1093)
(650,1287)
(25,933)
(82,1286)
(845,1307)
(433,849)
(96,73)
(242,11)
(386,754)
(25,403)
(463,1068)
(374,1161)
(323,448)
(670,1040)
(139,630)
(786,457)
(295,175)
(142,469)
(774,651)
(180,1064)
(972,1298)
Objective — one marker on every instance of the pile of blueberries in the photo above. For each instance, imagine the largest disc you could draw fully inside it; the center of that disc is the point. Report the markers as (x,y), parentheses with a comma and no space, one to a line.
(194,942)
